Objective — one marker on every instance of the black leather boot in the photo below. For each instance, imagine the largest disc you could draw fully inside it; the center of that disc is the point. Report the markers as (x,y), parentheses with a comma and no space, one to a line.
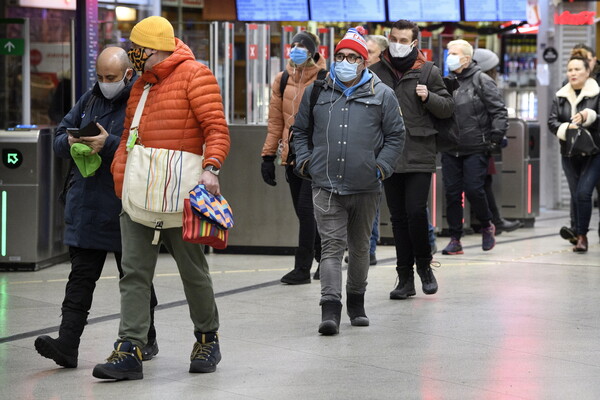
(301,272)
(503,225)
(428,280)
(331,312)
(61,353)
(355,307)
(406,284)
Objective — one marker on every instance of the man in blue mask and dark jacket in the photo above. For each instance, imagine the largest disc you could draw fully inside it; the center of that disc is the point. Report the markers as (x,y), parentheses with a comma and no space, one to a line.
(347,142)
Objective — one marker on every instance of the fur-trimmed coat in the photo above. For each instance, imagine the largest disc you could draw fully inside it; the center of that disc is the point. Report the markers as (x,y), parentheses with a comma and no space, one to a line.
(567,103)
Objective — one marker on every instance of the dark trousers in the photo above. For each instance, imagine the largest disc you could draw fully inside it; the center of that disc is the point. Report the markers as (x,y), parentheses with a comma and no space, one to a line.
(406,196)
(465,174)
(309,241)
(86,268)
(582,174)
(491,199)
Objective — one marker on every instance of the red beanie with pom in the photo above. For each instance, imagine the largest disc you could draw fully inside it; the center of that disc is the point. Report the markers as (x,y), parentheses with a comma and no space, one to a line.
(354,40)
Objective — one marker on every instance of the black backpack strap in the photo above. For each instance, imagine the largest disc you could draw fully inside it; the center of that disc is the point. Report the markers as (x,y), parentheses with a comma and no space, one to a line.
(318,85)
(425,72)
(478,83)
(283,82)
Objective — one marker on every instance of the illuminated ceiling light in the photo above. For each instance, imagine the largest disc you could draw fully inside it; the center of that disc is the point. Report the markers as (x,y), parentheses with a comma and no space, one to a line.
(126,13)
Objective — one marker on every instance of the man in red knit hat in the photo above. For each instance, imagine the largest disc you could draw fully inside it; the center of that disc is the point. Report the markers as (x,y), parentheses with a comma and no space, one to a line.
(347,146)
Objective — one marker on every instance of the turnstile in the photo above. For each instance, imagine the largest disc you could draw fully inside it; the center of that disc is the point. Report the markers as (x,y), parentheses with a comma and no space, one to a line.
(265,220)
(521,172)
(31,216)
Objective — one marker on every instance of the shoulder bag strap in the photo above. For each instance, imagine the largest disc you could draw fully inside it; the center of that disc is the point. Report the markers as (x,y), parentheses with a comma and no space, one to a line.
(140,108)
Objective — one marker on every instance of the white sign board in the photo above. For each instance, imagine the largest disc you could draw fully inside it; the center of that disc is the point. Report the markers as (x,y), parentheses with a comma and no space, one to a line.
(53,4)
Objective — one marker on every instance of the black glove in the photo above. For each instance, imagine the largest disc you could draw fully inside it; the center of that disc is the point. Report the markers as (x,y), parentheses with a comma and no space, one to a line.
(267,169)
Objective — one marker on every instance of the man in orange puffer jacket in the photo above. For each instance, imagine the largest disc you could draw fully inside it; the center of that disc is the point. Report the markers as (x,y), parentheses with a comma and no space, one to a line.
(183,111)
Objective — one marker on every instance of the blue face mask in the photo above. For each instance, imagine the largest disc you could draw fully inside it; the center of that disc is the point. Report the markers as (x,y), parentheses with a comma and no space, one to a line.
(298,55)
(346,72)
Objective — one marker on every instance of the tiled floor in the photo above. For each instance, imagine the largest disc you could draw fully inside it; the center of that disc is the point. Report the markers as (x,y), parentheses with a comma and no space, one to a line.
(518,322)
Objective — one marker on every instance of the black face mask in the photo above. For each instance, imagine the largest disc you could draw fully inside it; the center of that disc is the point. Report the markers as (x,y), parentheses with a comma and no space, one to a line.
(403,64)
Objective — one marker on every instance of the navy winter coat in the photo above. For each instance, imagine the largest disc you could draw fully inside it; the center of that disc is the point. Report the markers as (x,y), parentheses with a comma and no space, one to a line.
(92,208)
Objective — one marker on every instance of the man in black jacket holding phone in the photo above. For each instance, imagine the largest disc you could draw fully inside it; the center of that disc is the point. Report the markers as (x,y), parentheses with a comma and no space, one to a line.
(92,208)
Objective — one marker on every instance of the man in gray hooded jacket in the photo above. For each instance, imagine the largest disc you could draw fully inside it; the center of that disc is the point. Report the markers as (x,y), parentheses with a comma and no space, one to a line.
(349,144)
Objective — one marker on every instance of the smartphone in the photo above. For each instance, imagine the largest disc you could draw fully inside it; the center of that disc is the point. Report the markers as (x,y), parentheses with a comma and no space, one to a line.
(73,132)
(90,129)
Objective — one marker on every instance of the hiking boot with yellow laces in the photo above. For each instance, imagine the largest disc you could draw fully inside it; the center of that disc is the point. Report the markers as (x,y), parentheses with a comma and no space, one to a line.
(206,353)
(125,362)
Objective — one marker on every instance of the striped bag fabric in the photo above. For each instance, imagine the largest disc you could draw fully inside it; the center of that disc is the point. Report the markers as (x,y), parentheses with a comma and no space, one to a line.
(201,230)
(209,206)
(155,184)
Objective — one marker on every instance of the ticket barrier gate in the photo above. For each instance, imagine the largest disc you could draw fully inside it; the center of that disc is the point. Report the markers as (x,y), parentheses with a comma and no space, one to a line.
(521,170)
(31,215)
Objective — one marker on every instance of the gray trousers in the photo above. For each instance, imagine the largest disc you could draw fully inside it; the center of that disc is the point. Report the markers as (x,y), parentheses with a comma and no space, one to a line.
(344,221)
(139,262)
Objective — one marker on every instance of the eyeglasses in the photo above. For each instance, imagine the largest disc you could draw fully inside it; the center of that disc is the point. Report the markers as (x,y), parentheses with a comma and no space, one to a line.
(351,58)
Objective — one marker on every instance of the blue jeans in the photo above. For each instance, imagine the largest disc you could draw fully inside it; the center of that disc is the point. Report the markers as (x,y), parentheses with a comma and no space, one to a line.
(465,173)
(582,174)
(344,221)
(374,233)
(430,230)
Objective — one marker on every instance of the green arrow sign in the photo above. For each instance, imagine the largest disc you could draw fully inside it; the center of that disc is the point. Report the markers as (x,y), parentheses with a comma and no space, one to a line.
(12,47)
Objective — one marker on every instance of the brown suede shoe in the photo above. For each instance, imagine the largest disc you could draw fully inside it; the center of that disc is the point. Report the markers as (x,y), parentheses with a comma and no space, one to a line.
(582,244)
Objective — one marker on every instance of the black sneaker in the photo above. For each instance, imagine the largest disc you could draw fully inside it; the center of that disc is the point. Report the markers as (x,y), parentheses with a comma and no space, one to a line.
(488,237)
(54,350)
(206,353)
(568,234)
(149,351)
(454,247)
(125,362)
(297,277)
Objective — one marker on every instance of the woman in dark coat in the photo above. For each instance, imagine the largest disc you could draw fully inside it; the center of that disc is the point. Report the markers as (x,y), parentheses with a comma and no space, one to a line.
(574,105)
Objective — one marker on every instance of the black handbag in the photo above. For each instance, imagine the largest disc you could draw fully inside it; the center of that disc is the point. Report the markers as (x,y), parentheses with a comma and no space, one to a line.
(580,143)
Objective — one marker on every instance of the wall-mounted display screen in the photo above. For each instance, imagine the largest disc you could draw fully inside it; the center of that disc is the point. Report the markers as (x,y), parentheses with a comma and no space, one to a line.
(272,10)
(495,10)
(424,10)
(348,10)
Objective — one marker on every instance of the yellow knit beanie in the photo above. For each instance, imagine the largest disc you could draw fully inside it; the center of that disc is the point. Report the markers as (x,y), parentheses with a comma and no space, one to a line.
(154,33)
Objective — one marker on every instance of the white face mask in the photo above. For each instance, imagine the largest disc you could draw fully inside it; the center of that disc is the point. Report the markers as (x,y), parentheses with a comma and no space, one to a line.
(110,90)
(400,50)
(453,62)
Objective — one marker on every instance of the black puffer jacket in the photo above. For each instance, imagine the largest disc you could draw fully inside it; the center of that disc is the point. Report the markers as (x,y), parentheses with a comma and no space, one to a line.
(480,112)
(567,103)
(420,148)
